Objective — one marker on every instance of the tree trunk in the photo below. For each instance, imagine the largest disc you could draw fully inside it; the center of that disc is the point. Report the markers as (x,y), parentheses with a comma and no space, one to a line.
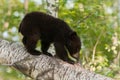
(26,6)
(42,67)
(52,7)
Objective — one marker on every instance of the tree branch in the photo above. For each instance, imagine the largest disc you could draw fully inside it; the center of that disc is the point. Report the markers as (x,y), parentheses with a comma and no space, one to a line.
(42,67)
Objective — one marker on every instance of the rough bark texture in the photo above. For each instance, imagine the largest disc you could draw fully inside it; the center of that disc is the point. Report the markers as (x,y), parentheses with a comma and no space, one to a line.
(42,67)
(52,7)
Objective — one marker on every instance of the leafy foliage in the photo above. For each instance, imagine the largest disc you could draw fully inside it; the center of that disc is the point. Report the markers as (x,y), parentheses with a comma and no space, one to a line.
(95,22)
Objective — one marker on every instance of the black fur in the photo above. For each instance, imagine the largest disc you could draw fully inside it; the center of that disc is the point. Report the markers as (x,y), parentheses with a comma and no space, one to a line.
(40,26)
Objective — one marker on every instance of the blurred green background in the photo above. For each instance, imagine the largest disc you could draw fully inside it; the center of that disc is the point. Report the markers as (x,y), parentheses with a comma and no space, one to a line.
(97,22)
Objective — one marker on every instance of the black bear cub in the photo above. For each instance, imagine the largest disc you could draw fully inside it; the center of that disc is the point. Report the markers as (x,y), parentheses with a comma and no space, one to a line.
(40,26)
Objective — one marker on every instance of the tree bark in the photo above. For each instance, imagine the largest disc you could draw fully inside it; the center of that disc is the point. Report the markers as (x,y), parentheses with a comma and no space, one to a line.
(42,67)
(52,7)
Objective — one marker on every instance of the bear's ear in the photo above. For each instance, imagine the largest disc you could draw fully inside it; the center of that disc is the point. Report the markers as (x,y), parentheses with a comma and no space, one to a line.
(73,35)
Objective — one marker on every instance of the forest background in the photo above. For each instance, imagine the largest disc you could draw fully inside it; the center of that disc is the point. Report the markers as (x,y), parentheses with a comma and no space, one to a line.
(97,23)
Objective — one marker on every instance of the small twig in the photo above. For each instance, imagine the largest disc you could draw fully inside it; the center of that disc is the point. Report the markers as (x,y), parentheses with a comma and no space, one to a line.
(94,48)
(85,18)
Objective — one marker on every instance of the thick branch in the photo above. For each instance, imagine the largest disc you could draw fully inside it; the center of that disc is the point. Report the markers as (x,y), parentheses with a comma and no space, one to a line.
(42,67)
